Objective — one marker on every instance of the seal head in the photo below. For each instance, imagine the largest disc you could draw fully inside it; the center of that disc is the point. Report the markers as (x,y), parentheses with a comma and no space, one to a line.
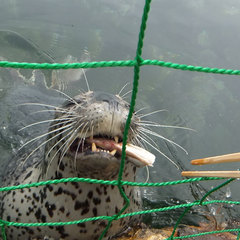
(84,140)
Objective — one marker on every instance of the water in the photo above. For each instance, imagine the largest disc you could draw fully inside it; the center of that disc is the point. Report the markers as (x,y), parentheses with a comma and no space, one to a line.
(189,32)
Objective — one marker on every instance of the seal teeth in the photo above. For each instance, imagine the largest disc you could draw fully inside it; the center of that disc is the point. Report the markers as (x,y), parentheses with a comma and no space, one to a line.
(113,152)
(116,138)
(94,148)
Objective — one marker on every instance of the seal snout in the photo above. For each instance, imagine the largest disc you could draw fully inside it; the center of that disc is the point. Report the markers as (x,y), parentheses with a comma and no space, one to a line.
(103,121)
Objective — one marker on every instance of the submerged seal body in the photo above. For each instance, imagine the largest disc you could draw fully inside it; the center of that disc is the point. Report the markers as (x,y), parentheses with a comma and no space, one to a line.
(80,143)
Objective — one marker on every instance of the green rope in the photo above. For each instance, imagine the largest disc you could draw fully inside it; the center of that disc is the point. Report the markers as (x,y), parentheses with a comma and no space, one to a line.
(136,63)
(215,189)
(206,233)
(120,63)
(200,203)
(4,237)
(116,217)
(179,220)
(238,236)
(163,209)
(106,182)
(131,110)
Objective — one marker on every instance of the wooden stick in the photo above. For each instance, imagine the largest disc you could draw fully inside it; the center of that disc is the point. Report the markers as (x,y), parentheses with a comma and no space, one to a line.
(227,174)
(233,157)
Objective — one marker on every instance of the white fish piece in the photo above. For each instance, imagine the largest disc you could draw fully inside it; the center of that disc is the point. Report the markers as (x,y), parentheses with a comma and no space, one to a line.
(138,155)
(144,156)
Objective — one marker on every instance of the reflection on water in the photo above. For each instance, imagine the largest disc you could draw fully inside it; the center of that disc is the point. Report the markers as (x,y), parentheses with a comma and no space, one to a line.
(191,32)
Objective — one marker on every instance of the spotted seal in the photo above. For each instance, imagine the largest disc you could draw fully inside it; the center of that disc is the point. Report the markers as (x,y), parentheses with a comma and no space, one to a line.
(84,140)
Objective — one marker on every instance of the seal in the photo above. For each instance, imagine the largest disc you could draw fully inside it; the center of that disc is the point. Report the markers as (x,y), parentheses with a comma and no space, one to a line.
(85,141)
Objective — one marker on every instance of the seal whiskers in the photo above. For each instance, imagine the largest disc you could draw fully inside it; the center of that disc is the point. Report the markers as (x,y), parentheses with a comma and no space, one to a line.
(84,140)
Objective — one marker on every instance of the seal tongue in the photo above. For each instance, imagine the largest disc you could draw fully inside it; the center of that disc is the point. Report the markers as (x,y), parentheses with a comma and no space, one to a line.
(139,155)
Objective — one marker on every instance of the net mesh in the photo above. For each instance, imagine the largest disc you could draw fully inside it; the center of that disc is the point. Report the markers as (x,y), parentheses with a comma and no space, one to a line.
(136,64)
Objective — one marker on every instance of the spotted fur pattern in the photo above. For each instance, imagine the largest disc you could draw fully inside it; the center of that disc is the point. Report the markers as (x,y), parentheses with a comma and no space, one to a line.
(66,201)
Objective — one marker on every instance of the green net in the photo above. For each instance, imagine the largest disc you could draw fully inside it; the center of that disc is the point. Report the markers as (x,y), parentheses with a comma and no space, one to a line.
(136,64)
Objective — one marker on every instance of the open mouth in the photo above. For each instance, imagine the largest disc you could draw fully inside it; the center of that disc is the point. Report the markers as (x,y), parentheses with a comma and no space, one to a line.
(113,146)
(96,144)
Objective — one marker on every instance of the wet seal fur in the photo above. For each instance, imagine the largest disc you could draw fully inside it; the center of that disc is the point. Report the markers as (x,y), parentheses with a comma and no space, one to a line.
(67,154)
